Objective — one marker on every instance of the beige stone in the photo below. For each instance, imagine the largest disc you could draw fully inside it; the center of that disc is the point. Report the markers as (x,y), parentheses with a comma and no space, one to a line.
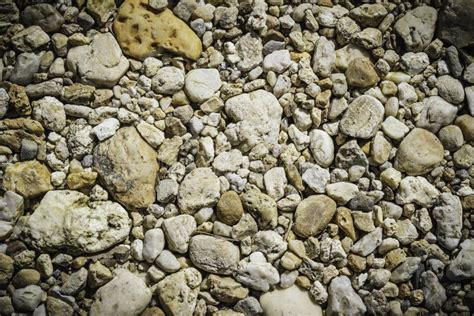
(313,214)
(361,73)
(81,180)
(142,33)
(28,178)
(229,208)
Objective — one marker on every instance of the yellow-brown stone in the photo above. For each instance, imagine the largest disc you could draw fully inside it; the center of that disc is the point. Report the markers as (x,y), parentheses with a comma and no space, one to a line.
(81,180)
(142,32)
(28,178)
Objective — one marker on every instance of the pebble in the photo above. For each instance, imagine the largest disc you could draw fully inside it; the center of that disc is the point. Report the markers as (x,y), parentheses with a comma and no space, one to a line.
(343,299)
(368,243)
(448,216)
(153,244)
(168,80)
(167,261)
(436,113)
(292,300)
(361,73)
(178,231)
(417,27)
(460,268)
(28,298)
(229,208)
(201,84)
(257,273)
(313,214)
(27,178)
(416,190)
(363,117)
(277,61)
(199,188)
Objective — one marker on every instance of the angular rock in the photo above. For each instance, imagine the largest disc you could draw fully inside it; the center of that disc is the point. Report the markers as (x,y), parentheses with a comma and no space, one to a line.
(200,188)
(101,10)
(127,165)
(249,48)
(417,27)
(262,207)
(142,32)
(214,255)
(100,63)
(226,289)
(28,178)
(416,190)
(178,231)
(343,299)
(27,298)
(66,220)
(289,301)
(313,214)
(30,39)
(27,64)
(324,57)
(461,267)
(448,216)
(44,15)
(50,112)
(405,271)
(436,113)
(434,292)
(256,273)
(368,243)
(363,118)
(126,294)
(361,73)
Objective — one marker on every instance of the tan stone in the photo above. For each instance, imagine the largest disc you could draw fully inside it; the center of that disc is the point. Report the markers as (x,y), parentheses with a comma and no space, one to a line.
(313,214)
(28,178)
(361,73)
(229,208)
(345,222)
(142,33)
(19,99)
(226,289)
(81,180)
(128,166)
(394,258)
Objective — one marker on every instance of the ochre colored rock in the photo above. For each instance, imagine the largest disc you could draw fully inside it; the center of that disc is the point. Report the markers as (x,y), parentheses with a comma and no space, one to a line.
(142,32)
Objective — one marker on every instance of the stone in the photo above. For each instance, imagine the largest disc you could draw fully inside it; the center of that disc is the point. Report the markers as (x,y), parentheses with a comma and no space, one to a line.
(345,222)
(450,89)
(43,14)
(405,232)
(448,216)
(199,188)
(11,208)
(313,214)
(4,99)
(98,275)
(417,27)
(132,183)
(434,292)
(50,112)
(27,64)
(394,128)
(169,150)
(361,73)
(125,294)
(178,292)
(166,190)
(75,282)
(67,220)
(28,298)
(26,277)
(262,207)
(275,182)
(201,84)
(56,306)
(342,299)
(436,113)
(405,271)
(277,61)
(368,243)
(451,137)
(429,152)
(416,190)
(178,231)
(414,63)
(168,80)
(324,57)
(30,39)
(101,63)
(157,31)
(19,99)
(270,243)
(350,154)
(316,178)
(368,38)
(257,119)
(28,178)
(249,49)
(466,124)
(101,10)
(213,255)
(106,128)
(460,268)
(369,14)
(290,301)
(228,161)
(226,289)
(152,135)
(229,209)
(6,269)
(363,118)
(464,157)
(322,147)
(380,149)
(153,244)
(256,273)
(167,261)
(346,54)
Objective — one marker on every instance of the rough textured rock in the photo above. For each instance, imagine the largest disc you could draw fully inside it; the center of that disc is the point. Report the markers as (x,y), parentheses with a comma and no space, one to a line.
(343,299)
(100,63)
(361,73)
(142,32)
(419,152)
(416,190)
(313,214)
(229,208)
(200,188)
(66,220)
(214,255)
(436,114)
(178,231)
(257,116)
(434,292)
(127,165)
(126,294)
(262,207)
(417,27)
(363,118)
(44,15)
(201,84)
(448,216)
(289,301)
(28,178)
(461,267)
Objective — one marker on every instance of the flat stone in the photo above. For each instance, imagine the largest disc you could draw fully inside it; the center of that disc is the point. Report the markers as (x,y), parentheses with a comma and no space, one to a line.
(313,214)
(448,216)
(28,178)
(157,31)
(201,84)
(127,165)
(66,220)
(101,63)
(214,255)
(417,27)
(368,243)
(429,152)
(199,188)
(290,301)
(126,294)
(178,231)
(343,299)
(226,289)
(363,118)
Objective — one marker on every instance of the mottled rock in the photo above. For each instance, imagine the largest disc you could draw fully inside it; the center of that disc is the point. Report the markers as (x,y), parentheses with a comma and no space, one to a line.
(368,243)
(50,112)
(27,298)
(28,178)
(405,271)
(461,267)
(213,255)
(44,15)
(343,299)
(363,118)
(200,188)
(101,10)
(257,273)
(168,80)
(226,289)
(448,216)
(434,292)
(361,73)
(436,113)
(201,84)
(417,27)
(289,301)
(313,214)
(262,207)
(416,190)
(178,231)
(229,208)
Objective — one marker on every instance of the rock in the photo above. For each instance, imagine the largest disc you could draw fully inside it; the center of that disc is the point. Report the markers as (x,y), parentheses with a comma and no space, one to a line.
(361,73)
(324,57)
(6,269)
(343,299)
(30,39)
(167,262)
(436,113)
(369,14)
(313,214)
(346,54)
(98,275)
(322,147)
(270,243)
(100,63)
(27,298)
(226,289)
(27,64)
(169,150)
(249,306)
(167,190)
(133,182)
(4,98)
(368,243)
(201,84)
(249,48)
(451,137)
(101,10)
(153,244)
(262,207)
(429,152)
(405,271)
(228,161)
(75,282)
(126,294)
(469,91)
(405,232)
(450,89)
(417,27)
(257,118)
(434,292)
(464,157)
(277,61)
(19,99)
(168,80)
(158,30)
(460,267)
(106,128)
(11,208)
(213,255)
(448,216)
(229,209)
(289,301)
(28,178)
(178,231)
(257,273)
(455,25)
(178,292)
(152,135)
(200,188)
(67,220)
(26,277)
(466,124)
(316,178)
(416,190)
(368,38)
(56,306)
(394,128)
(414,63)
(363,118)
(79,138)
(49,111)
(44,15)
(275,182)
(350,154)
